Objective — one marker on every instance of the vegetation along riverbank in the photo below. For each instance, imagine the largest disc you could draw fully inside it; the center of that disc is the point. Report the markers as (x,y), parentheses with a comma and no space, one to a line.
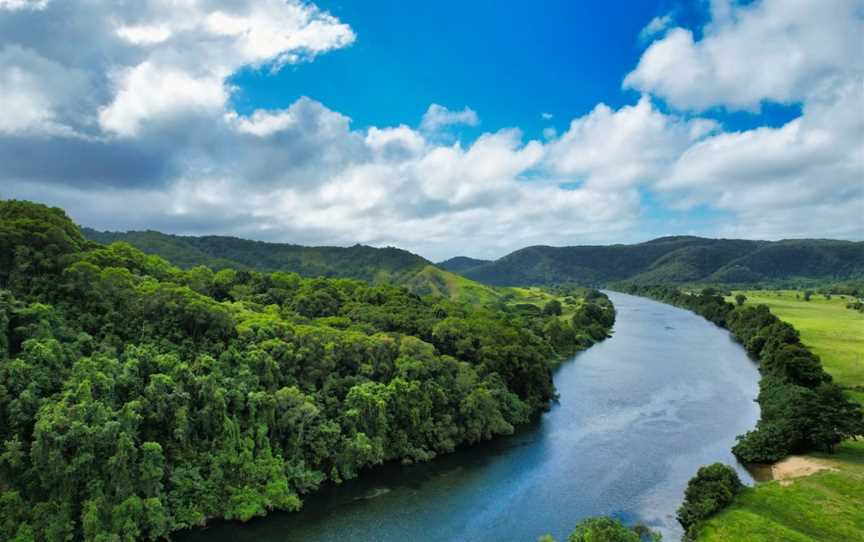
(803,411)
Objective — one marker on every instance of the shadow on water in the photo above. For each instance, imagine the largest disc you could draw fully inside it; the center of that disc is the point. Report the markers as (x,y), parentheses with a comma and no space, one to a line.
(637,415)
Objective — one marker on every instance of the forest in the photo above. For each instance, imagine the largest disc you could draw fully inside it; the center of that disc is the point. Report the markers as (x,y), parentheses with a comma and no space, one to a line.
(802,409)
(138,398)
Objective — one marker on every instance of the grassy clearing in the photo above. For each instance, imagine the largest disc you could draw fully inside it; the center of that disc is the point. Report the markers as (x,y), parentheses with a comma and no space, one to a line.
(827,327)
(539,296)
(823,507)
(436,281)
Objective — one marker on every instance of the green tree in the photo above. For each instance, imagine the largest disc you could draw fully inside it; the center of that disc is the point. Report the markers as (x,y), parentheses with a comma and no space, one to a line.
(603,529)
(713,488)
(552,308)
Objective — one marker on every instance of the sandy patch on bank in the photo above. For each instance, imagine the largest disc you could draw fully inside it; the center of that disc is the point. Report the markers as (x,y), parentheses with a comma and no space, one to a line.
(792,467)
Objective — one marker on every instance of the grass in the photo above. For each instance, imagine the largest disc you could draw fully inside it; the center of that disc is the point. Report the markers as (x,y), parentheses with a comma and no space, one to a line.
(827,327)
(824,507)
(827,506)
(436,281)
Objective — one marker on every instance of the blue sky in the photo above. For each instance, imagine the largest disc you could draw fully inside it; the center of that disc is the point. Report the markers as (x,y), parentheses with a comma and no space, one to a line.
(422,125)
(509,61)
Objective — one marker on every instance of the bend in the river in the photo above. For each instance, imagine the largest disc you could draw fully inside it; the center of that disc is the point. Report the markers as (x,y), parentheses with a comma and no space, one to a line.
(638,414)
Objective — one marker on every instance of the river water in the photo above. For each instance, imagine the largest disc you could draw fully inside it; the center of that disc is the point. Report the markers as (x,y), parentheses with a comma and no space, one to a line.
(638,414)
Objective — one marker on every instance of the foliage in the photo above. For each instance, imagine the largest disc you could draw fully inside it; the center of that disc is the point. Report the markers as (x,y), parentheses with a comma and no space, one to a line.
(802,408)
(137,398)
(607,529)
(713,488)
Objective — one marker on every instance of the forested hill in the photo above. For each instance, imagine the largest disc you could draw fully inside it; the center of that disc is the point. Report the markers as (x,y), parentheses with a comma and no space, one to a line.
(376,265)
(219,252)
(675,260)
(138,398)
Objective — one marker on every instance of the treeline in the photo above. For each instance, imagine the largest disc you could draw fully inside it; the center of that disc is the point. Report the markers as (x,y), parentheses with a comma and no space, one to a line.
(802,409)
(137,398)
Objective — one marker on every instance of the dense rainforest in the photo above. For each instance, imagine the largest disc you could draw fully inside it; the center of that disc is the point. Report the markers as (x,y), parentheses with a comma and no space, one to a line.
(138,398)
(673,261)
(802,409)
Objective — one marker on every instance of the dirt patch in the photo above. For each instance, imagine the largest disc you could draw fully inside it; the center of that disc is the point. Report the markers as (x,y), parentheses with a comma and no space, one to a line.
(789,468)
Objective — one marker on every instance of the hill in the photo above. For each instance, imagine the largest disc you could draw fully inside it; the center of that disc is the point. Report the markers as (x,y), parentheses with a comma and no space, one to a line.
(219,252)
(678,260)
(376,265)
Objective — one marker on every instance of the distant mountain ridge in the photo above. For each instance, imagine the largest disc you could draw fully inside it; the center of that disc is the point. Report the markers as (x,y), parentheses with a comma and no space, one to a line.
(666,260)
(673,260)
(462,263)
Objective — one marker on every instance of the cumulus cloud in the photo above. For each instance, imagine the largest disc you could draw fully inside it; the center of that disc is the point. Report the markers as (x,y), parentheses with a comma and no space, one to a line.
(634,144)
(805,178)
(438,116)
(769,50)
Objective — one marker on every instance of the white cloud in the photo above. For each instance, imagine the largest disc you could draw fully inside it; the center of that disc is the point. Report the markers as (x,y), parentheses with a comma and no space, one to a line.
(546,116)
(395,143)
(438,116)
(280,32)
(772,178)
(149,91)
(13,5)
(186,51)
(803,178)
(656,27)
(35,91)
(770,50)
(25,107)
(610,149)
(144,34)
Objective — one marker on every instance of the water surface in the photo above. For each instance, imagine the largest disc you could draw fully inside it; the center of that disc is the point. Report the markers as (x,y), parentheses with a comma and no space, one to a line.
(638,414)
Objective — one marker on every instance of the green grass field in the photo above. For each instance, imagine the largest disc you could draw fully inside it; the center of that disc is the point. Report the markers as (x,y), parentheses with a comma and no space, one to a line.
(824,507)
(828,328)
(827,506)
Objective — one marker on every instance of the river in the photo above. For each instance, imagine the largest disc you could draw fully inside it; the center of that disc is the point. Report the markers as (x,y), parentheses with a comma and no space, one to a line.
(638,414)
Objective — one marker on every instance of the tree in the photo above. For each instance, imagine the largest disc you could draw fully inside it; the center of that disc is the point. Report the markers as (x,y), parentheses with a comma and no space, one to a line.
(603,529)
(552,308)
(713,488)
(740,299)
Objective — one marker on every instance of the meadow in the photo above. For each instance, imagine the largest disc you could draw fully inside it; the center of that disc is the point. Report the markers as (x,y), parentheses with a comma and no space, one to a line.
(827,327)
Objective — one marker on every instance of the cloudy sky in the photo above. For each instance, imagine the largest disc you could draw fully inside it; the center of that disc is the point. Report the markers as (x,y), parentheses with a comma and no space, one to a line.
(442,128)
